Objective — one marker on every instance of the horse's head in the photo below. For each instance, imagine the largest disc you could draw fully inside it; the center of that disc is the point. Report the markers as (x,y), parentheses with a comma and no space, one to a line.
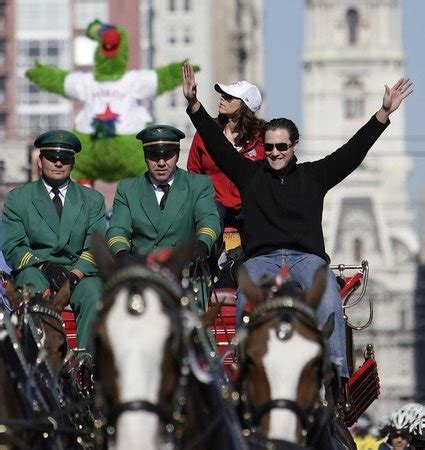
(40,324)
(139,341)
(283,356)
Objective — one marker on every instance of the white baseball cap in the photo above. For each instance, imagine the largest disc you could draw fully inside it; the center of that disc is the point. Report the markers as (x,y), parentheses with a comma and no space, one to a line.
(244,90)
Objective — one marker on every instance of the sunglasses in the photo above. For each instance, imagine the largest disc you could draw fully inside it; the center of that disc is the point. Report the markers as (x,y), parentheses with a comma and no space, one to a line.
(65,161)
(397,434)
(227,97)
(280,147)
(158,156)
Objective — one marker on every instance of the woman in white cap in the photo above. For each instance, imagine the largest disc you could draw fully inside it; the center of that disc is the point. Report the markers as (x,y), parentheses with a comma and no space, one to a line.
(236,117)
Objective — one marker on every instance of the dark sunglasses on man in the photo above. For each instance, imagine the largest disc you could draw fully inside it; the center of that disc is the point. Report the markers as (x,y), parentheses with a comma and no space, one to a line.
(65,160)
(280,147)
(156,157)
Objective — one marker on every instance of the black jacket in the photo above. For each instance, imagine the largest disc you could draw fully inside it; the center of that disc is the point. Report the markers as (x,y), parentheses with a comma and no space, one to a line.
(283,209)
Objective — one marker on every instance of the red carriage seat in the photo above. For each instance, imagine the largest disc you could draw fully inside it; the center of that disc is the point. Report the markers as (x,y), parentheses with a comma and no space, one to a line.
(68,317)
(224,328)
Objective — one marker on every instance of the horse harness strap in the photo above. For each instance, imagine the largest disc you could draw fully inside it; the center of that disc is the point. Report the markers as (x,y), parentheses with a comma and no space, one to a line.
(156,275)
(140,405)
(280,404)
(50,394)
(260,313)
(18,365)
(42,310)
(258,442)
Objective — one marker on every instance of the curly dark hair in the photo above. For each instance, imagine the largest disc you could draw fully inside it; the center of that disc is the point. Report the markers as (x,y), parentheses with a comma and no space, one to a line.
(248,126)
(286,124)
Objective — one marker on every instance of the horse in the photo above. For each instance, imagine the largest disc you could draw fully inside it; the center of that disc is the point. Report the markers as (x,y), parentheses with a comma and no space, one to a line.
(33,350)
(284,366)
(150,347)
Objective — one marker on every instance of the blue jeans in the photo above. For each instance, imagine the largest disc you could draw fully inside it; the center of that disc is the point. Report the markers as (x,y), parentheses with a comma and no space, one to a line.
(302,267)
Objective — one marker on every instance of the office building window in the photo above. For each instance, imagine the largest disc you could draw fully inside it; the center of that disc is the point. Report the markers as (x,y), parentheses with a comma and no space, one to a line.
(34,124)
(47,51)
(187,36)
(2,52)
(2,125)
(353,99)
(352,18)
(187,5)
(172,5)
(172,36)
(28,93)
(173,99)
(34,15)
(2,15)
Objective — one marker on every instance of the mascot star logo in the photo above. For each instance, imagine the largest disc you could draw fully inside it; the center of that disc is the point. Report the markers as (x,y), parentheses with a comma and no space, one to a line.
(107,115)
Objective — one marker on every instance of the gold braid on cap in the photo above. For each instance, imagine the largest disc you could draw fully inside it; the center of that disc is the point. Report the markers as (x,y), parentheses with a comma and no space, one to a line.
(62,149)
(177,143)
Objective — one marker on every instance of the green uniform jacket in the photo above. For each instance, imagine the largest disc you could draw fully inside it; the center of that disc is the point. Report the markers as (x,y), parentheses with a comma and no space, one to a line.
(138,224)
(32,232)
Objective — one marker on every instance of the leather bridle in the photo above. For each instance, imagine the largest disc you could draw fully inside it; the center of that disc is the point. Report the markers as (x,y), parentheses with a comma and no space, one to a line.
(175,302)
(284,308)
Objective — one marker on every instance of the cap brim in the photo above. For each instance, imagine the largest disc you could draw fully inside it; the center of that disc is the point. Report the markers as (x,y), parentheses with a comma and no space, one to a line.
(219,88)
(161,149)
(229,90)
(58,154)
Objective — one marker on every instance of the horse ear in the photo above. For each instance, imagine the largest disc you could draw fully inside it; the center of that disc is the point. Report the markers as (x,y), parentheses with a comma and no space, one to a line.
(253,292)
(61,299)
(209,317)
(314,295)
(180,257)
(12,294)
(102,255)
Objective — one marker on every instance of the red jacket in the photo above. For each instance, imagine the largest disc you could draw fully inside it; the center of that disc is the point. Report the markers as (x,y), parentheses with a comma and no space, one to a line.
(199,161)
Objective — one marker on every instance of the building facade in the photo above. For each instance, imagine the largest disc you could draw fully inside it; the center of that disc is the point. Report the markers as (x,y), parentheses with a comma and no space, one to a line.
(367,216)
(223,37)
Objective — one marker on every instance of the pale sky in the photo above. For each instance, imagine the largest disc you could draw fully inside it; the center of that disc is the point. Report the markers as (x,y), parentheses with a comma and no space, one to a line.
(283,82)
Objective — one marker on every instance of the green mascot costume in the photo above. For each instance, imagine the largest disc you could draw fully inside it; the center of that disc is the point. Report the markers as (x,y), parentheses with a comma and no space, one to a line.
(111,96)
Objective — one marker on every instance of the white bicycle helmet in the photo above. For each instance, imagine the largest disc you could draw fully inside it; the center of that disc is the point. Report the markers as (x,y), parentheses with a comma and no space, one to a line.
(417,429)
(415,411)
(400,419)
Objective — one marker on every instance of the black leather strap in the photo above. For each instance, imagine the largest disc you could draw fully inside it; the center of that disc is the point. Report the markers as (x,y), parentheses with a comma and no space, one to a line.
(279,403)
(140,405)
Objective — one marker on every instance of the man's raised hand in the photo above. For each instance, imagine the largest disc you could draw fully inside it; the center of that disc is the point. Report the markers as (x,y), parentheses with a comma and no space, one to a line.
(393,97)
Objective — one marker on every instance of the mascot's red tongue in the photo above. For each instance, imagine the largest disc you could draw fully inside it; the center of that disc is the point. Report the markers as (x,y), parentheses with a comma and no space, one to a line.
(110,42)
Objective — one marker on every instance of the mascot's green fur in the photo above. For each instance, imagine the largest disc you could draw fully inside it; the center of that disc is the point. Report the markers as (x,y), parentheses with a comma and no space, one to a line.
(112,114)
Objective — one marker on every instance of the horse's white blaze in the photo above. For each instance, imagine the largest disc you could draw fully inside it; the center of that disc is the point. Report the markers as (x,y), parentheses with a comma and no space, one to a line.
(283,365)
(138,343)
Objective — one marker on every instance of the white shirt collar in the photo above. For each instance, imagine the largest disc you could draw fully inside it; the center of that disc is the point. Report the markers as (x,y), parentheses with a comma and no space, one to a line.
(62,188)
(156,183)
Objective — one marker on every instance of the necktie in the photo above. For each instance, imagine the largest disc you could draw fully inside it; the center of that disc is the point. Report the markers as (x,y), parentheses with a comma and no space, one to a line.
(57,201)
(165,188)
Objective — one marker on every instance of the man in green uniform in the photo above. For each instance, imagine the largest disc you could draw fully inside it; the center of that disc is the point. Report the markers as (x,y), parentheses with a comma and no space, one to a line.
(165,206)
(47,229)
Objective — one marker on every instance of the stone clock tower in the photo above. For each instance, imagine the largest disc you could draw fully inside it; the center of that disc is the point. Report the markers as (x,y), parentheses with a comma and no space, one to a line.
(351,49)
